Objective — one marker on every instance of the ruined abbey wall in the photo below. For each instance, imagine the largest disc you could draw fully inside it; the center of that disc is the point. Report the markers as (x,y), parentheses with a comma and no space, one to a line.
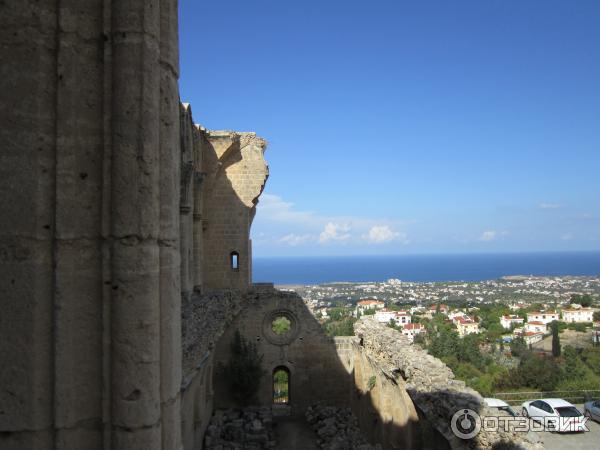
(106,220)
(316,372)
(235,165)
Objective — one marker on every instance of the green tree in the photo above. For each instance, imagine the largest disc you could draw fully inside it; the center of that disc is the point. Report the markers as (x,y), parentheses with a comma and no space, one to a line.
(518,346)
(591,358)
(244,370)
(574,366)
(343,327)
(583,300)
(555,339)
(281,325)
(596,316)
(539,372)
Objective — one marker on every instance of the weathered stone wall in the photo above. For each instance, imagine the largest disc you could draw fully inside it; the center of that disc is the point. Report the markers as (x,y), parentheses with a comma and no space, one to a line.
(235,177)
(316,372)
(90,266)
(412,390)
(104,210)
(205,317)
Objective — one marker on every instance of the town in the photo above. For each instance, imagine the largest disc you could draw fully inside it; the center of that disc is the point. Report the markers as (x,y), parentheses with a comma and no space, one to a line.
(525,306)
(518,333)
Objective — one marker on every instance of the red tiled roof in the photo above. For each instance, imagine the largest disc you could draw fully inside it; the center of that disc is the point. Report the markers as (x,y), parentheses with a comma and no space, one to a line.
(463,320)
(536,323)
(413,326)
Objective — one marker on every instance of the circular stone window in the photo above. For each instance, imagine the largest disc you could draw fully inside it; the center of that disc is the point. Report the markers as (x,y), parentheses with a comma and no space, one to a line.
(280,327)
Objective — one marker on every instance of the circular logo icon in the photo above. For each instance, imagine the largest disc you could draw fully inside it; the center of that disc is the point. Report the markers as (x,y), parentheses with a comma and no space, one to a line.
(465,423)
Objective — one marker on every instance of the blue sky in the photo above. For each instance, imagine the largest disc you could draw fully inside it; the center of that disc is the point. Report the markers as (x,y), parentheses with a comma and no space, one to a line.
(408,127)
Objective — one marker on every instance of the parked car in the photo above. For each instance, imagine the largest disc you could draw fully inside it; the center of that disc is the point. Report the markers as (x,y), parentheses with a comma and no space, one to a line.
(592,410)
(556,414)
(501,405)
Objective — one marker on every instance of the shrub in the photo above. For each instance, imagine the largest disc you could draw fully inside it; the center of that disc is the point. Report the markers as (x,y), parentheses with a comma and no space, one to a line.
(372,382)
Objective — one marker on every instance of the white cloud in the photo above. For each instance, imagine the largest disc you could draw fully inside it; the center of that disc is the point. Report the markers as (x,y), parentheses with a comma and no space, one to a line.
(334,232)
(379,234)
(274,208)
(295,240)
(567,237)
(550,205)
(488,236)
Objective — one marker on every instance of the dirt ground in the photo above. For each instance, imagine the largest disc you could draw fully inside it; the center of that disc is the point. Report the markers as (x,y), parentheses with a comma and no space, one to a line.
(567,337)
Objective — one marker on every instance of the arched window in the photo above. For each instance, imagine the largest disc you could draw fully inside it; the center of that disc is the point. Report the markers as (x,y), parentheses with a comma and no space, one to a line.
(281,385)
(234,260)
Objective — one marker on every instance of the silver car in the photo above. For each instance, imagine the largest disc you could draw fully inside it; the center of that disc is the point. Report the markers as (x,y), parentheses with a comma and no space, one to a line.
(592,410)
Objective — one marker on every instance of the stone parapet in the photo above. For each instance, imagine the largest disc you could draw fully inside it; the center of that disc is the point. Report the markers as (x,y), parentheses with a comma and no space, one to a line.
(430,385)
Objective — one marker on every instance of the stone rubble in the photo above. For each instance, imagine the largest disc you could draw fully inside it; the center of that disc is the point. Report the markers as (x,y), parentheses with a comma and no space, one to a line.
(336,428)
(248,429)
(431,385)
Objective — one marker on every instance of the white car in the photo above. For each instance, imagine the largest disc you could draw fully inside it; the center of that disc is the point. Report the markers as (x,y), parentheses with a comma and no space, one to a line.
(501,405)
(555,414)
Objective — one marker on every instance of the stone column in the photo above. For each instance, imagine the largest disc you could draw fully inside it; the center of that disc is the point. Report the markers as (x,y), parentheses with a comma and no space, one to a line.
(78,299)
(28,77)
(169,229)
(198,232)
(135,195)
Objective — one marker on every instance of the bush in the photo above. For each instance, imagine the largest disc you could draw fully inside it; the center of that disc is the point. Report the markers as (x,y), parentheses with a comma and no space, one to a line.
(539,372)
(372,382)
(344,327)
(483,384)
(578,326)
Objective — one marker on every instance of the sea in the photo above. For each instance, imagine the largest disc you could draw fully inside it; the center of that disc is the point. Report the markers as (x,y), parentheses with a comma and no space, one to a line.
(422,268)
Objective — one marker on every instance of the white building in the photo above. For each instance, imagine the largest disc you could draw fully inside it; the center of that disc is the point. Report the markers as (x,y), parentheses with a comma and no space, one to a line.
(402,318)
(507,321)
(368,303)
(410,330)
(542,316)
(465,325)
(535,327)
(578,315)
(531,337)
(385,315)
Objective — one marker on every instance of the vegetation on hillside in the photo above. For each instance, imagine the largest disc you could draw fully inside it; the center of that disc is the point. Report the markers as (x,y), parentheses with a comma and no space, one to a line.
(477,360)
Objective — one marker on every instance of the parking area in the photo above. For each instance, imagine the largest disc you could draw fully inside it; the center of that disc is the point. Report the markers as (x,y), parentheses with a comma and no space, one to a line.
(573,441)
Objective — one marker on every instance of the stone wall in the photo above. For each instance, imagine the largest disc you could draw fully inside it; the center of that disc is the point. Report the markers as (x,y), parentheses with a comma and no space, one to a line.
(413,389)
(107,224)
(88,236)
(316,372)
(236,174)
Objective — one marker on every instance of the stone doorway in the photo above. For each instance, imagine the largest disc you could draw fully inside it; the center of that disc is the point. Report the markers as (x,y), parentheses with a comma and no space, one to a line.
(281,386)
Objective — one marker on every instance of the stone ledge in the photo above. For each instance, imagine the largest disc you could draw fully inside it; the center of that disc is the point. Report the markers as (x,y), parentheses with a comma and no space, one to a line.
(430,384)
